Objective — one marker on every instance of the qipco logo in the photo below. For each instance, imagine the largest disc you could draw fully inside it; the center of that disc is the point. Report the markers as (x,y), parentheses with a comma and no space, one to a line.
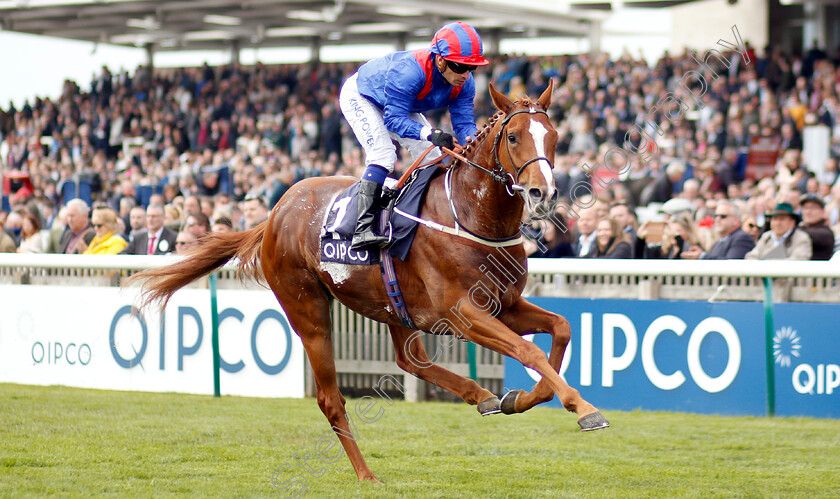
(55,352)
(129,343)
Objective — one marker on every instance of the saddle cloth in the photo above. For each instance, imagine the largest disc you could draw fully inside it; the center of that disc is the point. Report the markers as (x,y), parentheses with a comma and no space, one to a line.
(337,231)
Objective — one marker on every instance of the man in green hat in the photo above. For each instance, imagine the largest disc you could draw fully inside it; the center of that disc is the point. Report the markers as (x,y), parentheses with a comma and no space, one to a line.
(784,241)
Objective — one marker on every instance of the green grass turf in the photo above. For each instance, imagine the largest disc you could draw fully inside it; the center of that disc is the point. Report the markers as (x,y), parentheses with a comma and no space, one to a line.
(74,442)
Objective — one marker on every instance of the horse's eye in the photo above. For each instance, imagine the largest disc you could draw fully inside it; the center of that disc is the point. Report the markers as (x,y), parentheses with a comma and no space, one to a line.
(512,138)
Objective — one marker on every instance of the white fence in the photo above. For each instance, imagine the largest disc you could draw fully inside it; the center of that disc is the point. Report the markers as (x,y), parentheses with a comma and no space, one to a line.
(363,348)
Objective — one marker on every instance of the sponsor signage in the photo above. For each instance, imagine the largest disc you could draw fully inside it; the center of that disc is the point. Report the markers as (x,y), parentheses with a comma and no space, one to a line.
(806,352)
(694,356)
(89,337)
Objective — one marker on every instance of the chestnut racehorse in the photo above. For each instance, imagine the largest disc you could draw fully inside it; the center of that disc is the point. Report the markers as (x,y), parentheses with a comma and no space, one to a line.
(507,172)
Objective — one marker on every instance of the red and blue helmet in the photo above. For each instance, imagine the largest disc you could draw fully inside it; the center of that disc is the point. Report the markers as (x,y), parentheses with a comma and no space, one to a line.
(459,42)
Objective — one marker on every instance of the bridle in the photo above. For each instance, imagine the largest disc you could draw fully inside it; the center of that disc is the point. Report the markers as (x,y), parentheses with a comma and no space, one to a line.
(498,173)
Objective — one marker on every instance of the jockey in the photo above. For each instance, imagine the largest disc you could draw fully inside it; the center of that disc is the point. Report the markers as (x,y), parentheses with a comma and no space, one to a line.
(384,100)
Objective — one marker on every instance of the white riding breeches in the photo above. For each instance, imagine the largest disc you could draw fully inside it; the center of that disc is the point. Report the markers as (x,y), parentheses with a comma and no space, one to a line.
(366,120)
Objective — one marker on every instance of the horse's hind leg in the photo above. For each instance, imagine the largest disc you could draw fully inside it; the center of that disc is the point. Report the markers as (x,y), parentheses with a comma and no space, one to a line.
(525,318)
(412,358)
(309,314)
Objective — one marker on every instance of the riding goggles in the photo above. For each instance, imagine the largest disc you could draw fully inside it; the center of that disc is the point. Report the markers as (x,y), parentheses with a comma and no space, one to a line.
(460,68)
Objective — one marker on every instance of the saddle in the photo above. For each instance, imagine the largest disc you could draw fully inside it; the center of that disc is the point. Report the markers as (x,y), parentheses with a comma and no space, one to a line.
(337,230)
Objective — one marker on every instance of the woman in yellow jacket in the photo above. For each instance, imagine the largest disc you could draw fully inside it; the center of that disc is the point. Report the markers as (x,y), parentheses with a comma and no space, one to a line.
(106,241)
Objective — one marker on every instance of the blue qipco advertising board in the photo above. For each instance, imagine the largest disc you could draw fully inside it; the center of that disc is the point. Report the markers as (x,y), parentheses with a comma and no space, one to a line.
(695,356)
(806,353)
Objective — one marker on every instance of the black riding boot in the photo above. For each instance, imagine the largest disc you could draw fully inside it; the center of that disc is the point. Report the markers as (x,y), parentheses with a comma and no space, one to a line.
(367,204)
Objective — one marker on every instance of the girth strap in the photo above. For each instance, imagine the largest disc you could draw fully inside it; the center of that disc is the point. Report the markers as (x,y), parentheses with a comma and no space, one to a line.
(389,275)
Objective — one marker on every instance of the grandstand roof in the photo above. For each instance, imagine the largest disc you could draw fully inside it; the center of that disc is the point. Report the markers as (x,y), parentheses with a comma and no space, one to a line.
(217,24)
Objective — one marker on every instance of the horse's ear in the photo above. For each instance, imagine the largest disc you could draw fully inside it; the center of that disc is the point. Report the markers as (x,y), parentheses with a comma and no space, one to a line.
(499,99)
(545,98)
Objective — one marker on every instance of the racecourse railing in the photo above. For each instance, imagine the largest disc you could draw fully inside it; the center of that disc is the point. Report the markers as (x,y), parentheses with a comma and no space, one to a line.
(363,348)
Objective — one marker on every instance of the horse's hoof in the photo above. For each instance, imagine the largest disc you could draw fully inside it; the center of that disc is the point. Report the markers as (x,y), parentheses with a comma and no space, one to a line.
(594,421)
(490,406)
(509,401)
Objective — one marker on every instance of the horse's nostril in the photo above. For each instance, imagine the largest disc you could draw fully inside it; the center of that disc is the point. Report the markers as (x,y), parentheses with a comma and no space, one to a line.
(535,193)
(554,197)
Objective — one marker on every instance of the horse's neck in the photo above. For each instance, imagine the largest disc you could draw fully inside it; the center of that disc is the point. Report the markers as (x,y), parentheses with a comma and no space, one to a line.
(482,204)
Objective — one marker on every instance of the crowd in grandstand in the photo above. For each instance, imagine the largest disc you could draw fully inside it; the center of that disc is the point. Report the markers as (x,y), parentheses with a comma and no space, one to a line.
(154,160)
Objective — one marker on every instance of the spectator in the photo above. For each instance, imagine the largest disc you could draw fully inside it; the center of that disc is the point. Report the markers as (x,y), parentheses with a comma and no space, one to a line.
(329,137)
(31,240)
(733,244)
(136,221)
(751,227)
(254,212)
(611,241)
(14,225)
(56,231)
(829,174)
(285,178)
(107,240)
(556,243)
(790,174)
(79,233)
(172,217)
(621,212)
(679,234)
(184,242)
(126,205)
(783,241)
(7,244)
(127,191)
(260,186)
(170,192)
(156,199)
(208,183)
(157,239)
(222,225)
(192,206)
(814,224)
(208,206)
(662,188)
(198,225)
(677,207)
(584,242)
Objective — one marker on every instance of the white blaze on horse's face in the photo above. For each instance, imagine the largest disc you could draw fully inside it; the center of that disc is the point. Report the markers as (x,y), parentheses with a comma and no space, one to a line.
(538,132)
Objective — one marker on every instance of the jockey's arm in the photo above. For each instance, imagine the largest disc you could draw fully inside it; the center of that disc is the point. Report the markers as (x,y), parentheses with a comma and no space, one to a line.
(401,90)
(462,112)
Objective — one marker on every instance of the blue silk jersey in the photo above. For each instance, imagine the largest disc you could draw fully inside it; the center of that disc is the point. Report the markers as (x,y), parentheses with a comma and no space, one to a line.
(407,82)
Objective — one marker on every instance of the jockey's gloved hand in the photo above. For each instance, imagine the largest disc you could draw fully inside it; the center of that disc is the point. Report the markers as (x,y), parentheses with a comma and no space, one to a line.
(442,139)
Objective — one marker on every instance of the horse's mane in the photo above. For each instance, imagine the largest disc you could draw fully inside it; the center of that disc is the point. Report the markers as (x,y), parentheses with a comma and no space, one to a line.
(482,132)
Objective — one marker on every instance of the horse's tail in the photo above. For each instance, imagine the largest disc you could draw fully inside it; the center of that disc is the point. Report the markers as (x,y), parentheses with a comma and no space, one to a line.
(213,251)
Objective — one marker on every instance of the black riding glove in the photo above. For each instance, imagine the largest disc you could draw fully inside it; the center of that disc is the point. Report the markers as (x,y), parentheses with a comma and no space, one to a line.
(442,139)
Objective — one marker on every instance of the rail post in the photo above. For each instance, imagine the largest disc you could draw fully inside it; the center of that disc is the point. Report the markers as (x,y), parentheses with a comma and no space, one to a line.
(768,346)
(471,358)
(214,335)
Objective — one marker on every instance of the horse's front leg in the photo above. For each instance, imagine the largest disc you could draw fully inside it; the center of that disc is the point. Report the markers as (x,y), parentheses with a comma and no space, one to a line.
(490,332)
(526,318)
